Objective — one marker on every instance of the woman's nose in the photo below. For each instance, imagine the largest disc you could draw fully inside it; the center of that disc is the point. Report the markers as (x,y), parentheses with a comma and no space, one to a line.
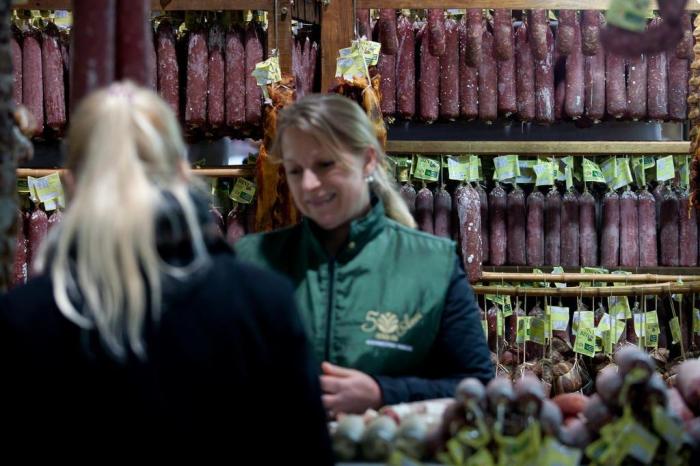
(310,181)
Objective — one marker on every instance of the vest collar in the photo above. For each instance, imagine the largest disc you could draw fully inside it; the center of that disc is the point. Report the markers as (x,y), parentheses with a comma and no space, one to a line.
(362,231)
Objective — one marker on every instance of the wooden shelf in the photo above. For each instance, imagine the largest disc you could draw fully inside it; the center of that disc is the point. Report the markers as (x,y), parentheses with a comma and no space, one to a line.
(512,4)
(156,5)
(637,270)
(233,171)
(589,292)
(579,148)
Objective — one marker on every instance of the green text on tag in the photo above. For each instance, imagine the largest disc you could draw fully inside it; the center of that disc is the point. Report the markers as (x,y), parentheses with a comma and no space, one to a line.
(665,169)
(592,172)
(243,191)
(619,307)
(426,169)
(585,342)
(458,168)
(628,14)
(369,50)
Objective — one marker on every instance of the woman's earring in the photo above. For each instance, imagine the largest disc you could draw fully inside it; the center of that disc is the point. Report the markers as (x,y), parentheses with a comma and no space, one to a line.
(369,179)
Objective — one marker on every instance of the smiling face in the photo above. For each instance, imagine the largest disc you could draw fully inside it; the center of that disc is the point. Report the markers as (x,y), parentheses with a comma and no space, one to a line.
(329,188)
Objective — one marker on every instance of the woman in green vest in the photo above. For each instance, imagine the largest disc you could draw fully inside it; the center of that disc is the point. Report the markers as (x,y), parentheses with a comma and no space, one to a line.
(388,309)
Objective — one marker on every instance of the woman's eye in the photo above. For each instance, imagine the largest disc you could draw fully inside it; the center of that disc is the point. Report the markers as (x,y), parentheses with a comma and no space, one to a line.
(327,164)
(294,171)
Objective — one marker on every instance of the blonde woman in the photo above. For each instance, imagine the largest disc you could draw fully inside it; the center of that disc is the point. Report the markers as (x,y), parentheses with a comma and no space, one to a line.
(144,334)
(388,308)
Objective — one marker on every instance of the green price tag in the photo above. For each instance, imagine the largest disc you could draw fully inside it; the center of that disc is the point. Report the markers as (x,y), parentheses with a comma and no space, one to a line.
(523,329)
(592,172)
(609,169)
(527,172)
(685,172)
(537,330)
(665,169)
(582,319)
(554,453)
(648,161)
(507,167)
(696,320)
(585,342)
(638,171)
(624,174)
(640,443)
(603,325)
(569,177)
(652,323)
(499,323)
(507,308)
(558,270)
(458,168)
(426,169)
(545,174)
(668,427)
(675,330)
(619,307)
(481,458)
(628,14)
(369,50)
(243,191)
(560,317)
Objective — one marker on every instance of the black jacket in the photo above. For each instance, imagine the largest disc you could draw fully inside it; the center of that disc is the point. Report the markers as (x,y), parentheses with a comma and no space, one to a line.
(228,373)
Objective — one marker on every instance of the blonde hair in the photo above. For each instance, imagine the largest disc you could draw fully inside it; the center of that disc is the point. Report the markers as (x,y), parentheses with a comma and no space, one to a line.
(125,152)
(340,125)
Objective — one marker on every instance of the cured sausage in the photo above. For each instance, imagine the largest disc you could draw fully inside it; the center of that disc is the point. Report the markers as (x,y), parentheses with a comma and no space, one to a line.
(406,69)
(610,238)
(668,229)
(449,72)
(535,228)
(552,232)
(587,228)
(167,68)
(629,230)
(544,83)
(516,221)
(488,79)
(637,87)
(570,229)
(525,79)
(647,229)
(498,237)
(468,77)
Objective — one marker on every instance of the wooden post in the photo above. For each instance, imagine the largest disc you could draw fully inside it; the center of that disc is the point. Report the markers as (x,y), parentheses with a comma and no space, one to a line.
(336,33)
(282,39)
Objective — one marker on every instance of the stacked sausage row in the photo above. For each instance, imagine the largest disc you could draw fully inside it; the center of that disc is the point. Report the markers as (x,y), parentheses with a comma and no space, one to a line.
(567,228)
(40,62)
(204,74)
(482,68)
(32,227)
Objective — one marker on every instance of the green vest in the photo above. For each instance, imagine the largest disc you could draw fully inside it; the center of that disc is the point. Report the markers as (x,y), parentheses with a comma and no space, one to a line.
(377,305)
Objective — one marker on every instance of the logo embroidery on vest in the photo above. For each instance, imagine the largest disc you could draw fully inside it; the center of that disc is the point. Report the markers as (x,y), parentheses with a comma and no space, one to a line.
(388,326)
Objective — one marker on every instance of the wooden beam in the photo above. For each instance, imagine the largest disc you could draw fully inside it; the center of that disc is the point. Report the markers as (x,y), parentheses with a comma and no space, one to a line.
(233,171)
(508,277)
(511,4)
(336,33)
(159,5)
(538,147)
(589,292)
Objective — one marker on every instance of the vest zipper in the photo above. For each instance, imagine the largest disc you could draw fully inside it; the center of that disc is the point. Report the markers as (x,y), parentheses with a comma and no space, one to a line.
(329,313)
